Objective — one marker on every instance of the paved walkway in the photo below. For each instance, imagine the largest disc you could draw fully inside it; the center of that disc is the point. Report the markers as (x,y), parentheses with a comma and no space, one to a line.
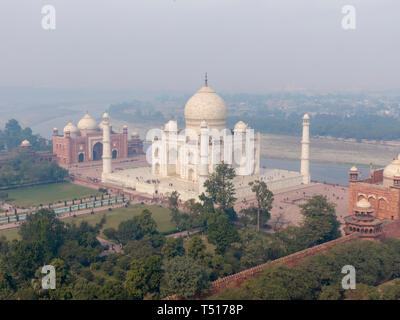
(112,247)
(67,215)
(286,202)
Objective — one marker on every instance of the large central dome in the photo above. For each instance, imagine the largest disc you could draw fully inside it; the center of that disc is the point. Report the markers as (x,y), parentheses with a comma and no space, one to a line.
(206,105)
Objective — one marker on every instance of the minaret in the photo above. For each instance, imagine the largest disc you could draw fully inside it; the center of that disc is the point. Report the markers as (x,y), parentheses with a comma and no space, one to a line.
(204,161)
(305,150)
(106,147)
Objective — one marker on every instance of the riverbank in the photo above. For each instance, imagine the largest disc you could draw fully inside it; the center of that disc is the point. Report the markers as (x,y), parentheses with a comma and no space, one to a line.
(329,150)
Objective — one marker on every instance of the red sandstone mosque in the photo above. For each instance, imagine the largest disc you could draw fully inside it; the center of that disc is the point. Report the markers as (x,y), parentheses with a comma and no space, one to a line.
(83,143)
(373,200)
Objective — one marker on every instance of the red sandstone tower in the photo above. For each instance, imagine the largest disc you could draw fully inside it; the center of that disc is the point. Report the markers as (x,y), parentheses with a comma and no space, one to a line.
(364,222)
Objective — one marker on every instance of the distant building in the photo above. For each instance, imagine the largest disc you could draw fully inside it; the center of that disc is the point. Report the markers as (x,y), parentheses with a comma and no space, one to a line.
(83,143)
(381,189)
(26,148)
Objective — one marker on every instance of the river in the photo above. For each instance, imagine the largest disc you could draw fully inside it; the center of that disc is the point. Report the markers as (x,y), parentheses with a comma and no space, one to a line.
(336,173)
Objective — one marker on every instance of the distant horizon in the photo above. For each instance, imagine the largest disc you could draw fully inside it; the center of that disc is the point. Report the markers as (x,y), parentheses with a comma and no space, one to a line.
(215,87)
(166,46)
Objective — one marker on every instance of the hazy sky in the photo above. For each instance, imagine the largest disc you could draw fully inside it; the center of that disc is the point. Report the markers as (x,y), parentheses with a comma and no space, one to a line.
(166,45)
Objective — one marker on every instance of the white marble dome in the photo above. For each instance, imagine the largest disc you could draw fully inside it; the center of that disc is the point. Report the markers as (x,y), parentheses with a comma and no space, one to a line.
(353,169)
(25,143)
(87,123)
(206,105)
(71,128)
(392,170)
(171,125)
(240,126)
(363,204)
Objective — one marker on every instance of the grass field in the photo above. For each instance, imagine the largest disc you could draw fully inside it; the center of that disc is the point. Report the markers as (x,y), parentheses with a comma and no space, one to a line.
(10,234)
(47,193)
(114,218)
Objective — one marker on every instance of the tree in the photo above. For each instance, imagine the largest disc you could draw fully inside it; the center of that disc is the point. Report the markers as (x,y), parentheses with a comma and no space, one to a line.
(256,248)
(362,292)
(173,204)
(135,228)
(183,277)
(143,277)
(172,248)
(146,223)
(320,222)
(220,188)
(220,231)
(13,135)
(281,283)
(196,248)
(22,260)
(331,292)
(173,201)
(391,291)
(278,221)
(44,228)
(264,198)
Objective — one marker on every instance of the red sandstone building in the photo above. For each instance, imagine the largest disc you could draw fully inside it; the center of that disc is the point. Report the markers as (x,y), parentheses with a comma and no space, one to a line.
(364,222)
(84,143)
(381,190)
(26,148)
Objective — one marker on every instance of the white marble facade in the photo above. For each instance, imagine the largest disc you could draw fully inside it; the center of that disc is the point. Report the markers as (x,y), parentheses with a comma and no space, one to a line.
(182,159)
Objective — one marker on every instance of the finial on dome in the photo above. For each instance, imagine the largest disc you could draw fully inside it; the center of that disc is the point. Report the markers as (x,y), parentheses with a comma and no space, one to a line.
(206,80)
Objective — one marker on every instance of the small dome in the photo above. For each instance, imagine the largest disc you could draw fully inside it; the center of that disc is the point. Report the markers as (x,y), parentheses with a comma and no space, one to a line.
(71,128)
(87,123)
(363,204)
(134,134)
(206,105)
(306,117)
(106,115)
(240,126)
(25,143)
(392,169)
(353,169)
(171,126)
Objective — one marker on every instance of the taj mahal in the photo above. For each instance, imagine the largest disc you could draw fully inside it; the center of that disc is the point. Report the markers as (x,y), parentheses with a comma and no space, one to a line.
(182,159)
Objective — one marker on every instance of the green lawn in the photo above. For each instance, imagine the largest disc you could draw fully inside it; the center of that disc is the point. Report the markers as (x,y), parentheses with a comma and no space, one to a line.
(10,234)
(47,193)
(160,214)
(114,218)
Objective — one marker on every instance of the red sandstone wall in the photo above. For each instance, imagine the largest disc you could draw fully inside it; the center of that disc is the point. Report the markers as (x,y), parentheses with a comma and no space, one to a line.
(391,230)
(290,260)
